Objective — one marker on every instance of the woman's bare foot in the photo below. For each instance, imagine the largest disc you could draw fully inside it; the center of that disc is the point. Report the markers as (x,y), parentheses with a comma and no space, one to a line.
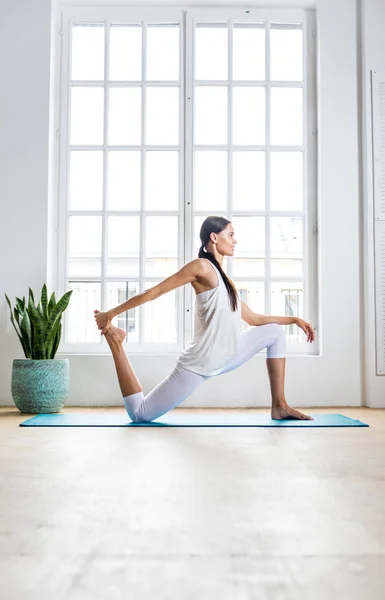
(284,411)
(115,334)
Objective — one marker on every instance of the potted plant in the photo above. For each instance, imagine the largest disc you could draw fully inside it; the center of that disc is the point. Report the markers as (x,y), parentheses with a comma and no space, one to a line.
(39,383)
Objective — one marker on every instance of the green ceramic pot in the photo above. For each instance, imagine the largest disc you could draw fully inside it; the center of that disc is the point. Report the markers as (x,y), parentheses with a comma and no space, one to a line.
(40,386)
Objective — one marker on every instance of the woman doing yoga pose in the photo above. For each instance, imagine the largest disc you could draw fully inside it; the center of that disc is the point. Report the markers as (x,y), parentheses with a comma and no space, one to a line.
(218,345)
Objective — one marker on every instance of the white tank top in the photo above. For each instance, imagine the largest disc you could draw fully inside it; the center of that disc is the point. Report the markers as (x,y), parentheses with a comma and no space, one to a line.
(216,331)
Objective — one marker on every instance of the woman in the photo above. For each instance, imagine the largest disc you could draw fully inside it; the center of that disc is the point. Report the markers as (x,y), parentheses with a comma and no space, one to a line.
(218,345)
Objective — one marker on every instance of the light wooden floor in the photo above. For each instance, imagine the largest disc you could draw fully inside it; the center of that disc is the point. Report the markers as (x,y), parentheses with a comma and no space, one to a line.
(192,513)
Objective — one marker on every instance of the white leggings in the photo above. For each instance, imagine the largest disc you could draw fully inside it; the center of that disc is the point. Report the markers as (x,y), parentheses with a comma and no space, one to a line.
(180,383)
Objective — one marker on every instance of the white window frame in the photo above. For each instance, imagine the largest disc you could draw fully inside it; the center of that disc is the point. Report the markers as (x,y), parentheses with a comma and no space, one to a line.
(184,299)
(309,214)
(69,16)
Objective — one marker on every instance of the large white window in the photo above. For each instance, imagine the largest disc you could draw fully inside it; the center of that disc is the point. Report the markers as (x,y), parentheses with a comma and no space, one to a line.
(167,117)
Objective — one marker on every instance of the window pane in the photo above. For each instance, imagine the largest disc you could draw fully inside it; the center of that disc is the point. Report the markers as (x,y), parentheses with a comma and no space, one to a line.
(211,115)
(117,293)
(125,53)
(163,52)
(161,267)
(249,115)
(286,237)
(161,246)
(211,55)
(124,116)
(249,52)
(286,54)
(85,299)
(250,236)
(85,246)
(210,181)
(286,268)
(86,115)
(160,318)
(286,186)
(162,125)
(123,246)
(124,180)
(249,233)
(253,294)
(248,267)
(286,116)
(162,180)
(286,246)
(86,180)
(248,180)
(287,300)
(87,52)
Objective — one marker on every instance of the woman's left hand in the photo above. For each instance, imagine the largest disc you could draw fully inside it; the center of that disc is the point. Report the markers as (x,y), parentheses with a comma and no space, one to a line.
(102,320)
(307,328)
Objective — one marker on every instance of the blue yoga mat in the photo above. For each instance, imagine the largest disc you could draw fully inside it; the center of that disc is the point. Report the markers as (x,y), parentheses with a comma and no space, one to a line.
(178,419)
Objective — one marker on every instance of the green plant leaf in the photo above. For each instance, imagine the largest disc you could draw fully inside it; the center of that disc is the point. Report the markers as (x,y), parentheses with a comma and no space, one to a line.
(57,342)
(16,315)
(52,302)
(31,295)
(32,334)
(20,305)
(14,325)
(57,311)
(40,311)
(38,343)
(50,342)
(44,303)
(25,327)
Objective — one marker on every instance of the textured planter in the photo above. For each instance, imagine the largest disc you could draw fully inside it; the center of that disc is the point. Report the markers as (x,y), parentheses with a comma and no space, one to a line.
(40,386)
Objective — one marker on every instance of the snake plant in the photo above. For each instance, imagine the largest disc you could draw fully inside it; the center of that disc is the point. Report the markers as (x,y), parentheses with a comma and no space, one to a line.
(39,327)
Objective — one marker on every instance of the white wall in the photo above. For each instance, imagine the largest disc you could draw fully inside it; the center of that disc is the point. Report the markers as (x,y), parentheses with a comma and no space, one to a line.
(24,110)
(373,59)
(333,379)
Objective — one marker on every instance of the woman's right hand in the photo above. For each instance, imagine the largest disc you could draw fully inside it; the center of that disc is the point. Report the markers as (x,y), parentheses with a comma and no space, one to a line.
(306,327)
(103,320)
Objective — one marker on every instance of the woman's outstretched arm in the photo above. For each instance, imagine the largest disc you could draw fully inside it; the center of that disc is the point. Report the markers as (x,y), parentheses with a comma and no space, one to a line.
(186,274)
(254,319)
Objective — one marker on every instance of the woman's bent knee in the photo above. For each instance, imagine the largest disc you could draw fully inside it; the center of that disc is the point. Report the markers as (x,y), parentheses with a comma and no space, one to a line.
(137,418)
(168,394)
(132,404)
(140,415)
(274,329)
(278,348)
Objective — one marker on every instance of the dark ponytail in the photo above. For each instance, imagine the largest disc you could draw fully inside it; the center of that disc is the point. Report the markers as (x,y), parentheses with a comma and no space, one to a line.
(216,225)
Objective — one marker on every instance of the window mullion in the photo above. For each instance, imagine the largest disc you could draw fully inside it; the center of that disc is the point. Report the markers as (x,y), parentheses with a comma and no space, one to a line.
(64,159)
(189,159)
(310,170)
(181,313)
(267,179)
(143,180)
(230,129)
(105,170)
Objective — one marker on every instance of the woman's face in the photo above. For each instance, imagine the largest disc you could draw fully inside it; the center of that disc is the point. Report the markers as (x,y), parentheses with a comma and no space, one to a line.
(226,241)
